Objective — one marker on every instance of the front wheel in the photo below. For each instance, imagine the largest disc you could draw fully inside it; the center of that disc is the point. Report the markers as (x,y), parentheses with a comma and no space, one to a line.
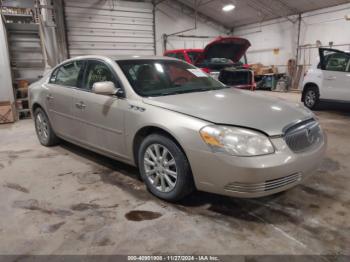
(311,98)
(44,131)
(164,168)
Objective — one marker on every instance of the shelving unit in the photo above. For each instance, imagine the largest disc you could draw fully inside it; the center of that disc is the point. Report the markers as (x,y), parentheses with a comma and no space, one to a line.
(18,15)
(26,53)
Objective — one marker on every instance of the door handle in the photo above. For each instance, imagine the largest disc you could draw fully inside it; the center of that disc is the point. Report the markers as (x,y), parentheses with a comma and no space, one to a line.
(80,105)
(49,97)
(331,78)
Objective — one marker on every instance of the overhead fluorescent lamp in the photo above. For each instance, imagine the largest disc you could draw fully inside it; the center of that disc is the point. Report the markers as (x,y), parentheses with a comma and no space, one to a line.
(228,8)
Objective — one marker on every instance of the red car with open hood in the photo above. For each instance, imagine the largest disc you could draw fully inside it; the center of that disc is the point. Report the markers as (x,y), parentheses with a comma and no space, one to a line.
(224,59)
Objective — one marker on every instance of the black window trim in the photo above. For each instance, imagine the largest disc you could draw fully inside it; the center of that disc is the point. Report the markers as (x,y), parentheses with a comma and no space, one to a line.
(82,69)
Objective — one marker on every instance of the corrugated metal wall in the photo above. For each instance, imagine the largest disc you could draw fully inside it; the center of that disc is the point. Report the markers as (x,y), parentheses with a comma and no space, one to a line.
(107,27)
(26,53)
(6,90)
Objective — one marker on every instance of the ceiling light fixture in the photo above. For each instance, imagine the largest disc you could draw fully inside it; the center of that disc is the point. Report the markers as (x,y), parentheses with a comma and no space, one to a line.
(228,8)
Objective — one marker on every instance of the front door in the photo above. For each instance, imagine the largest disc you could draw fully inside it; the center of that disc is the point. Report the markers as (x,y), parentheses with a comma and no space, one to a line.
(60,91)
(101,116)
(335,67)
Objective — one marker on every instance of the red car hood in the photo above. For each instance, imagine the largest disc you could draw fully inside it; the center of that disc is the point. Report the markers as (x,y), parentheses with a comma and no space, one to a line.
(232,48)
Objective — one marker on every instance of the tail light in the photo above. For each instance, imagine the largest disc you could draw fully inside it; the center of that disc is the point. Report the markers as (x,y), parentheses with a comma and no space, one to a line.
(305,73)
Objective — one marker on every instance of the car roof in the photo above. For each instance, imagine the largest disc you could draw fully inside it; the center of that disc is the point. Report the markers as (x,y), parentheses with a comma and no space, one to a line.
(121,58)
(115,58)
(184,50)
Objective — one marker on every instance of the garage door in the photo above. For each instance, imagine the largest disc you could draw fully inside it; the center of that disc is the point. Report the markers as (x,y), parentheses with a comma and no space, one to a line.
(108,27)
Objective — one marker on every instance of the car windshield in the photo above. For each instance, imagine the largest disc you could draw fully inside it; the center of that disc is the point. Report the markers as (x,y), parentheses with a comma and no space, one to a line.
(166,77)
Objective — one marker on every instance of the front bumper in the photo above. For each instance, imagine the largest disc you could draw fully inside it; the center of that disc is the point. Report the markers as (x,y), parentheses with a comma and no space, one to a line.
(250,177)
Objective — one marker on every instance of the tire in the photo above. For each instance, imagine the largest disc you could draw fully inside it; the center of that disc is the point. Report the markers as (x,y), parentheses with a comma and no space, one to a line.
(311,98)
(44,131)
(156,176)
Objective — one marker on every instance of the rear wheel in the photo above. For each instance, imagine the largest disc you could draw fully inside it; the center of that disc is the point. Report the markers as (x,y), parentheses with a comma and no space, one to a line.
(164,168)
(311,98)
(44,131)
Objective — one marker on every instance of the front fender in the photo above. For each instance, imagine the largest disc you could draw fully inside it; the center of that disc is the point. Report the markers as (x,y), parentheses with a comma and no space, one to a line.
(184,128)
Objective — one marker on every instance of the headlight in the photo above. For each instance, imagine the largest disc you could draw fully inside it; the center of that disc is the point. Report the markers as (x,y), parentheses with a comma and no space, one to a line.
(236,141)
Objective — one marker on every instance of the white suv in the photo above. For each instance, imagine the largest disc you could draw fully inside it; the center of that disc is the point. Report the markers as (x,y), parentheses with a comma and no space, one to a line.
(328,81)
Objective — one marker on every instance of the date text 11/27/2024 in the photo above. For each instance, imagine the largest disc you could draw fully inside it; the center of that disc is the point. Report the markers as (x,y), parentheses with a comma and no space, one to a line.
(173,258)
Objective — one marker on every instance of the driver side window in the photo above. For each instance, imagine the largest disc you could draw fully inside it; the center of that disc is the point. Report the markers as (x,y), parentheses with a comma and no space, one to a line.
(97,72)
(338,62)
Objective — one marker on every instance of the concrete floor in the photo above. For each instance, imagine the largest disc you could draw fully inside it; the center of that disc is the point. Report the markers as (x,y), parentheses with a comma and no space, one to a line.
(66,200)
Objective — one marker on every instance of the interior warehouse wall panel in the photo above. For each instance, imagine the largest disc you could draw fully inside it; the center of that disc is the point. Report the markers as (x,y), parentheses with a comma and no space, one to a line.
(107,27)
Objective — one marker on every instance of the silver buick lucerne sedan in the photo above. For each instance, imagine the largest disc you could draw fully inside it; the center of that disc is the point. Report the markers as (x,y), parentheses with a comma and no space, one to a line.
(180,127)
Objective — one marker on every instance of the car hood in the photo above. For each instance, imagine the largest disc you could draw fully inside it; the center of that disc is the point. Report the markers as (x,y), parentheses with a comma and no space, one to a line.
(232,48)
(236,107)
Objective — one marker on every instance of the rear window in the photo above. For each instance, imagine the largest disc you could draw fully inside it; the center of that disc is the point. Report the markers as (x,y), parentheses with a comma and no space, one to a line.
(67,74)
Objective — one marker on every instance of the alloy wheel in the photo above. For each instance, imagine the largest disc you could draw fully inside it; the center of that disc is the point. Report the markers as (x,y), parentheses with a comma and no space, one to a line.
(42,127)
(310,98)
(160,168)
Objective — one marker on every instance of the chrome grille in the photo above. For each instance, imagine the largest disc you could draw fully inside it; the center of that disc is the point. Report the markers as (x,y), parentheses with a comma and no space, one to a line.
(268,185)
(303,136)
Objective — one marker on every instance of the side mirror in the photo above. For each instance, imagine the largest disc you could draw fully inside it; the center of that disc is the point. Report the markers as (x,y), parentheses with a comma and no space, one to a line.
(104,88)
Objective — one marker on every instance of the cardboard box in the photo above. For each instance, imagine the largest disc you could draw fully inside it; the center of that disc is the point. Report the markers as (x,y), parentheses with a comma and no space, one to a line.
(23,84)
(260,69)
(6,112)
(256,68)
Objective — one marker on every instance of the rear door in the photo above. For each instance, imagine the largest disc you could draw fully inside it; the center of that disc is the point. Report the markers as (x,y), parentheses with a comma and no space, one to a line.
(335,66)
(59,97)
(101,116)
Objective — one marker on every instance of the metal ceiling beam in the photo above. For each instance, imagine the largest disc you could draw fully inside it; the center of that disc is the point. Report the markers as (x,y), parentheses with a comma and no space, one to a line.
(155,3)
(205,3)
(271,11)
(258,10)
(293,10)
(202,15)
